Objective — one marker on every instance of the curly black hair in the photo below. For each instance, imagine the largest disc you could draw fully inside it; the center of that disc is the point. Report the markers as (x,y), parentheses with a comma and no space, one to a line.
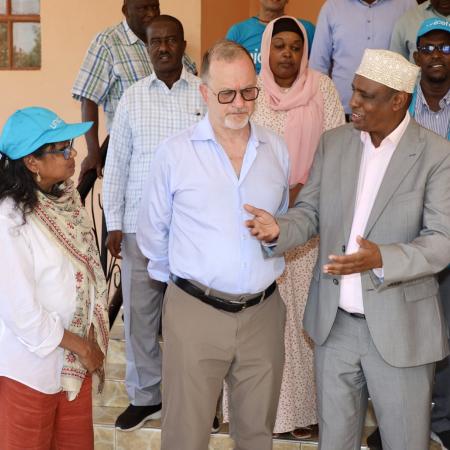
(18,183)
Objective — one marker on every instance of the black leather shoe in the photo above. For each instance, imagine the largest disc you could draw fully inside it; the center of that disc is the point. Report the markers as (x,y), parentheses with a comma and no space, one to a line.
(374,440)
(135,416)
(445,438)
(216,425)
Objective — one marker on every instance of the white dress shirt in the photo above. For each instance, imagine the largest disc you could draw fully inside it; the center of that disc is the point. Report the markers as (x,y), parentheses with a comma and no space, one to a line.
(37,302)
(374,162)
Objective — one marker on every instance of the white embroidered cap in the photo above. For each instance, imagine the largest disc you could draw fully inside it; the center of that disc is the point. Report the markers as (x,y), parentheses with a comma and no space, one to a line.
(389,68)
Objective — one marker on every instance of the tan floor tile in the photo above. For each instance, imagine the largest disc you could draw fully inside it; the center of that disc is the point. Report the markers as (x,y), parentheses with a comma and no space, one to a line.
(105,416)
(116,352)
(309,447)
(287,445)
(115,371)
(221,442)
(114,394)
(104,438)
(143,439)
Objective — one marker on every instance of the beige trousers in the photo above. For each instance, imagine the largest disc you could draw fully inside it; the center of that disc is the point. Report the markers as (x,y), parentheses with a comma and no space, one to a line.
(202,347)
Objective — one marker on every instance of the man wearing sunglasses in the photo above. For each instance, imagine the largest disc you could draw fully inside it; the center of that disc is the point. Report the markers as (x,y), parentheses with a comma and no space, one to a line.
(223,316)
(431,99)
(431,108)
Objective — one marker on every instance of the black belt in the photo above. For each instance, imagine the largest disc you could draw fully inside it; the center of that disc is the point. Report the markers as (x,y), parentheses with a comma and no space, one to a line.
(353,314)
(221,303)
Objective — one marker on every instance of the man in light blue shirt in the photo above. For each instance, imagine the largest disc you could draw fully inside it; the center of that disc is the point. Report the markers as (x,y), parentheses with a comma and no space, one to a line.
(223,316)
(151,110)
(345,28)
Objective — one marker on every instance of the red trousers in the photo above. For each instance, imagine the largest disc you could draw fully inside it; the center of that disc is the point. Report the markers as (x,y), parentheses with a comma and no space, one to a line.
(31,420)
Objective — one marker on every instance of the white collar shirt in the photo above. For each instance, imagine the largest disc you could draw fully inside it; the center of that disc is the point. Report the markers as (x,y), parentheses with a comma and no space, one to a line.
(37,302)
(374,162)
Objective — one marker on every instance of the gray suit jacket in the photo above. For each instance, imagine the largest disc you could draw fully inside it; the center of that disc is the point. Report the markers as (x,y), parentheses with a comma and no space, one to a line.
(410,221)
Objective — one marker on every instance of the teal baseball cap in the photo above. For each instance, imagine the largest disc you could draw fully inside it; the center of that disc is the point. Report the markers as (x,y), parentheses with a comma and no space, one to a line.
(30,128)
(432,24)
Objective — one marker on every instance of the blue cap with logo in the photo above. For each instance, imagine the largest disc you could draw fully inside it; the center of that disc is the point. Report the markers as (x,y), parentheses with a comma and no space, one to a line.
(432,24)
(30,128)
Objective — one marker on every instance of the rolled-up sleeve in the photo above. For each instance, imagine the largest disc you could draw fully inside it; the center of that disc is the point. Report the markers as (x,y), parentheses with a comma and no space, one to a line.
(95,76)
(39,330)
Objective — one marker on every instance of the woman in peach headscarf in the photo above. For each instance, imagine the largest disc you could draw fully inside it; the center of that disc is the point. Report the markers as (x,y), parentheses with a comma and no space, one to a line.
(299,104)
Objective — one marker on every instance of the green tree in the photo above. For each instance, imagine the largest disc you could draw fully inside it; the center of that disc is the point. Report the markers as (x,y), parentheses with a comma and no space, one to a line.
(33,57)
(3,45)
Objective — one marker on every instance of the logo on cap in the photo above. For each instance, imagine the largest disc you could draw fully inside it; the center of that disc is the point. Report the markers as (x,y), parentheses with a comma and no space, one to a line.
(55,123)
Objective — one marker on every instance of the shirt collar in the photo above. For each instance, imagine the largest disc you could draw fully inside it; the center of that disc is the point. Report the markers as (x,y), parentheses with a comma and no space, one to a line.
(429,7)
(203,131)
(127,36)
(446,98)
(394,137)
(372,4)
(443,102)
(184,78)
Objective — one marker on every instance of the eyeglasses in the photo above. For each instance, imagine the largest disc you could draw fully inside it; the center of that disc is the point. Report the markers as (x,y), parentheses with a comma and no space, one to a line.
(228,95)
(430,48)
(66,151)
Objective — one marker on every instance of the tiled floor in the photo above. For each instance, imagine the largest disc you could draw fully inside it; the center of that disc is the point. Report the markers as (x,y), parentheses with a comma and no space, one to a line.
(113,400)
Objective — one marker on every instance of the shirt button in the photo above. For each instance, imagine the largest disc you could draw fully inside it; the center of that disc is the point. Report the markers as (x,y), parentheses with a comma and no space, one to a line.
(335,281)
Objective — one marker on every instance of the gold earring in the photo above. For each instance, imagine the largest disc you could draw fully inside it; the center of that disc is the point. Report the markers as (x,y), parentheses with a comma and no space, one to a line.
(38,177)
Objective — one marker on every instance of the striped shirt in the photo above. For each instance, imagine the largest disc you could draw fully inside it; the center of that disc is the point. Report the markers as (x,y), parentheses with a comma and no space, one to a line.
(437,121)
(115,60)
(147,113)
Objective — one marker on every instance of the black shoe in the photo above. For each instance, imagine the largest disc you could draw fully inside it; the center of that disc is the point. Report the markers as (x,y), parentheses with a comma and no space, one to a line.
(374,440)
(216,425)
(445,438)
(135,416)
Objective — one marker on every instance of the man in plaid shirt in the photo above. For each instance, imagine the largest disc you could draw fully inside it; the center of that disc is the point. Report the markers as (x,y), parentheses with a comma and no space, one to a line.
(116,58)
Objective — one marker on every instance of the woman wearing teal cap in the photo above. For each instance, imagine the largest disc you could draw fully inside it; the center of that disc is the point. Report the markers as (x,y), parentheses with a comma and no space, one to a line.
(53,301)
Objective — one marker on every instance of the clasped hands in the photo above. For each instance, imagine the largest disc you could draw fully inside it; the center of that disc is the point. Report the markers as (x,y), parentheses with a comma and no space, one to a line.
(265,228)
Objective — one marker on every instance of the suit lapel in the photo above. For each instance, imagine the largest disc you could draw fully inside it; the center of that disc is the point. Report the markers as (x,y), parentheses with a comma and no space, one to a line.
(350,164)
(404,157)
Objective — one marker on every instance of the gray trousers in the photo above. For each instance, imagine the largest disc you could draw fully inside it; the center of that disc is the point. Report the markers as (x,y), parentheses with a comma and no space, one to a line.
(348,370)
(440,414)
(142,302)
(202,347)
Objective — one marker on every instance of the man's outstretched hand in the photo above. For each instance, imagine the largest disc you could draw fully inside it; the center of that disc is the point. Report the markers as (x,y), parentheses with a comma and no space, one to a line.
(263,225)
(368,257)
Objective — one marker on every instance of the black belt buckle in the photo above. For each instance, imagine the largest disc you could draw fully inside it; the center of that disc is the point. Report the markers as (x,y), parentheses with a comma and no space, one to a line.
(220,303)
(354,314)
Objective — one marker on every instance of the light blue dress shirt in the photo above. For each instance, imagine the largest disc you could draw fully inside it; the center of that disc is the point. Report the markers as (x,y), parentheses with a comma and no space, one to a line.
(191,220)
(345,28)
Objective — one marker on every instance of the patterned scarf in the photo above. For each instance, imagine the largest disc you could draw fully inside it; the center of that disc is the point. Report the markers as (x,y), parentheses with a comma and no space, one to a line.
(65,221)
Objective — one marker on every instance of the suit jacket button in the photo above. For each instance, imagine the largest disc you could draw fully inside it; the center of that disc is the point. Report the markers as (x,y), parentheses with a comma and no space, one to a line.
(335,281)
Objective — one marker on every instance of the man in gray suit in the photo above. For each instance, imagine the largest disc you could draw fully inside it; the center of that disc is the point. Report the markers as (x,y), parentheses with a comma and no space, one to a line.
(379,195)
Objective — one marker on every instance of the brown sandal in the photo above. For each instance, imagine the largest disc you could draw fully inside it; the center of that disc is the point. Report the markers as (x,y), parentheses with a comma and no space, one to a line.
(302,433)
